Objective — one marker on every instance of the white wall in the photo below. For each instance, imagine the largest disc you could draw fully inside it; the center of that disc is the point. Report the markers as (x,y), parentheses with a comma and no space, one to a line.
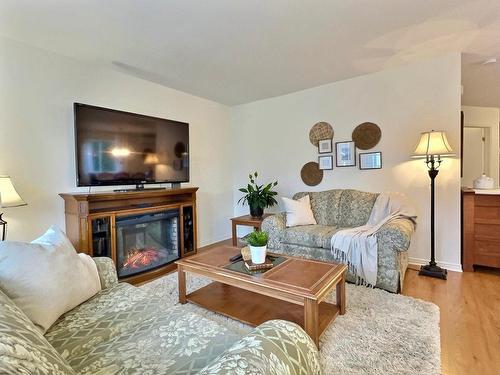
(37,91)
(488,118)
(271,136)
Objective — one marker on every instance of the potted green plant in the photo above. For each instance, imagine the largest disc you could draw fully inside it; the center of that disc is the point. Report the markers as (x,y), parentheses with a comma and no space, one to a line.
(258,197)
(257,242)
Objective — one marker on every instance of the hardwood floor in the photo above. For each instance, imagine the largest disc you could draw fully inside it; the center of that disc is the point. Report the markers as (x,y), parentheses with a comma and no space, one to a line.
(470,317)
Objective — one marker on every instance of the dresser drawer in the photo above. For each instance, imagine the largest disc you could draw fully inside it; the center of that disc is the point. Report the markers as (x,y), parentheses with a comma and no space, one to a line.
(487,200)
(487,231)
(486,247)
(487,213)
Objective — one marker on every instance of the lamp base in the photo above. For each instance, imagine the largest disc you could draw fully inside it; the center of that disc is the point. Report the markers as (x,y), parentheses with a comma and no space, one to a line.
(433,271)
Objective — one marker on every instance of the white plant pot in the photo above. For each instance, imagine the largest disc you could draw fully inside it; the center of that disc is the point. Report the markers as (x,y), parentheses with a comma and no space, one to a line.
(258,254)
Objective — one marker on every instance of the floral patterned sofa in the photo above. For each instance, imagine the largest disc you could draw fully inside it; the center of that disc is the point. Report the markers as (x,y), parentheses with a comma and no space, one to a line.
(123,330)
(334,210)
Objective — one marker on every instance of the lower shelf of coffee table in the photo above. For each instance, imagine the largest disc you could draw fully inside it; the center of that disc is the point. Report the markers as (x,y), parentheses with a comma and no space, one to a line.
(253,308)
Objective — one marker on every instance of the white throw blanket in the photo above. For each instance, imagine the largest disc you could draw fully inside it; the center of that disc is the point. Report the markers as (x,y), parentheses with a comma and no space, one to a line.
(357,247)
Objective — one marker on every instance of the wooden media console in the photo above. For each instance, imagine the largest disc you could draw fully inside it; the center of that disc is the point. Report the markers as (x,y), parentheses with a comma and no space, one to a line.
(144,231)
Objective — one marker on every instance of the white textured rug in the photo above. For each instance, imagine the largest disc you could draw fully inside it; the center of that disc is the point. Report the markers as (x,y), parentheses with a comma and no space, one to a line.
(381,333)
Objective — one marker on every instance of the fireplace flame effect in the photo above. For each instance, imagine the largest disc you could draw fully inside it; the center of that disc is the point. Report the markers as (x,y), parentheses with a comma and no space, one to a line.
(140,258)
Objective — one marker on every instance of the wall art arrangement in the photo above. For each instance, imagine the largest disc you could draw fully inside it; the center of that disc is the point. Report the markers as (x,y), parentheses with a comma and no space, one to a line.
(320,131)
(311,174)
(365,136)
(370,160)
(325,162)
(345,154)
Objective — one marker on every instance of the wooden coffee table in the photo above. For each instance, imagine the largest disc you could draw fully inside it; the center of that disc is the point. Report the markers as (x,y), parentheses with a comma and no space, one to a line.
(293,290)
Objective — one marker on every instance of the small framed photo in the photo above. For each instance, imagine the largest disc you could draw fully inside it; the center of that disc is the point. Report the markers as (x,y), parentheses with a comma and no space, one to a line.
(345,154)
(370,160)
(325,146)
(325,162)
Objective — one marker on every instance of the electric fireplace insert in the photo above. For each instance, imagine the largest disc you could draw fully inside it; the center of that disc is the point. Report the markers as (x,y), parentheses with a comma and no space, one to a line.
(146,241)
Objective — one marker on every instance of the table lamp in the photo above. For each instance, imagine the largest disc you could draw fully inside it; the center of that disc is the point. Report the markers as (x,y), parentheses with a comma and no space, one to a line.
(433,146)
(8,198)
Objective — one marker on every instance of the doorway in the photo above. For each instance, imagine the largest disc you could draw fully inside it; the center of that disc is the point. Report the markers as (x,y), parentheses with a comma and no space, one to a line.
(476,154)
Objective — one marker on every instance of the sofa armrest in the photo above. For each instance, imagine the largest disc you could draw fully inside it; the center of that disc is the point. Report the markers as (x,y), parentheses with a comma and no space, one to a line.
(275,347)
(397,232)
(274,225)
(107,271)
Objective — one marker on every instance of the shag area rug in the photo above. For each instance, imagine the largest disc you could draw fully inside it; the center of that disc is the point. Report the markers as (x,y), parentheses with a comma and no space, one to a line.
(381,332)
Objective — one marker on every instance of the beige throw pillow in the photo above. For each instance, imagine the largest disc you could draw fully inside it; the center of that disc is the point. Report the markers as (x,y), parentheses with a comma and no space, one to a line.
(47,277)
(298,212)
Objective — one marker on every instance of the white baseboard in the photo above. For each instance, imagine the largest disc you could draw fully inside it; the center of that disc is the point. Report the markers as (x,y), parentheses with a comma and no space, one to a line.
(449,266)
(213,240)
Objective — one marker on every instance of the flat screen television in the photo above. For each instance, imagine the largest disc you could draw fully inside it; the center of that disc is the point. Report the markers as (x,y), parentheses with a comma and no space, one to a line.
(121,148)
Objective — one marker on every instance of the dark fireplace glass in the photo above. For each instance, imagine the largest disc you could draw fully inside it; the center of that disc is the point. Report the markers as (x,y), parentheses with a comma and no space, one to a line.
(146,241)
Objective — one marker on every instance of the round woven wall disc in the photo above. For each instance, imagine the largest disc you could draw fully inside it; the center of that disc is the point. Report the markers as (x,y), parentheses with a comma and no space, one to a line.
(311,174)
(366,135)
(319,131)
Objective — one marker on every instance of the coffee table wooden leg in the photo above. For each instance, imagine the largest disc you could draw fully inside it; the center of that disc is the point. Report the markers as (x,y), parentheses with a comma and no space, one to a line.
(311,319)
(341,295)
(182,284)
(235,237)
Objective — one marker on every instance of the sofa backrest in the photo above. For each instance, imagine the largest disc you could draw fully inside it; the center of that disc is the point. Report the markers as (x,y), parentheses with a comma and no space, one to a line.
(325,205)
(343,208)
(23,349)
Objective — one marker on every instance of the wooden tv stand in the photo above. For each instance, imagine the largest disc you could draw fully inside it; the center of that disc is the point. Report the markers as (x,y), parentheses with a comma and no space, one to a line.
(82,210)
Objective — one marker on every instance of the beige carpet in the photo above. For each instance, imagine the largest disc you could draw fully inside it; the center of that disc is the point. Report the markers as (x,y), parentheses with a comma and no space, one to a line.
(381,333)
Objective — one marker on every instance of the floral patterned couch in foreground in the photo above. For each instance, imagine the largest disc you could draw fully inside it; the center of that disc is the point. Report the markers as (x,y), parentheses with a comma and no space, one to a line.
(334,210)
(123,330)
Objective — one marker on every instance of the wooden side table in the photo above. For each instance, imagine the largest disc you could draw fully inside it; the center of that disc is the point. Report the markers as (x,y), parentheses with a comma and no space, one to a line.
(248,221)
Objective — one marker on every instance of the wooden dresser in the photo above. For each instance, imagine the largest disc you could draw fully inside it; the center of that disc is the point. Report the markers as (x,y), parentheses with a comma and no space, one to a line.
(480,229)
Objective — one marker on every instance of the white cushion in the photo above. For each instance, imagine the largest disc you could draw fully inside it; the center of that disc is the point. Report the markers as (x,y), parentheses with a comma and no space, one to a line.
(298,212)
(47,277)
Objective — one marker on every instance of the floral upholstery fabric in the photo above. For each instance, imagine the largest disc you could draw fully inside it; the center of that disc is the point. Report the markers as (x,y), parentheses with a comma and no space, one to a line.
(310,242)
(124,330)
(23,349)
(107,271)
(275,226)
(355,208)
(275,347)
(310,235)
(325,205)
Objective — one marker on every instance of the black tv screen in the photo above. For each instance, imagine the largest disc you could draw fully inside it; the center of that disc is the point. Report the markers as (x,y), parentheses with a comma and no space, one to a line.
(120,148)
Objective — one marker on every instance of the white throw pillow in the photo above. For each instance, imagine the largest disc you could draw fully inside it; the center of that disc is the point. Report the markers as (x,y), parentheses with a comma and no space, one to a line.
(298,212)
(47,277)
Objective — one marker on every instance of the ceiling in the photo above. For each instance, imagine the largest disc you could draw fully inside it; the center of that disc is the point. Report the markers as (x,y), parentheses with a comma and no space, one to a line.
(480,81)
(237,51)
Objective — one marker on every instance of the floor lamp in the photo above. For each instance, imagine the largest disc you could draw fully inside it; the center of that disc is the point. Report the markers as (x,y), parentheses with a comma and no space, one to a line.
(8,198)
(433,146)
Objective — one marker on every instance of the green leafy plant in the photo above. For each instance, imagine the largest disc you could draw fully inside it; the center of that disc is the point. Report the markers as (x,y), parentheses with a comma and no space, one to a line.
(258,238)
(257,196)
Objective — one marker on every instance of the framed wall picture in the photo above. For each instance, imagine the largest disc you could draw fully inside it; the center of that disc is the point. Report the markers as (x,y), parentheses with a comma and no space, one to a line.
(325,146)
(370,160)
(345,154)
(325,162)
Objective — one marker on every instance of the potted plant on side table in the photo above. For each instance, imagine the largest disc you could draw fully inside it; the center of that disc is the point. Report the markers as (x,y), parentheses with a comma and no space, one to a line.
(258,197)
(257,242)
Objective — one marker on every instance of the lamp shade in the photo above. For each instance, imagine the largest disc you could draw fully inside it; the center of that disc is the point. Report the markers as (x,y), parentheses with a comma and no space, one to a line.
(8,194)
(433,143)
(151,159)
